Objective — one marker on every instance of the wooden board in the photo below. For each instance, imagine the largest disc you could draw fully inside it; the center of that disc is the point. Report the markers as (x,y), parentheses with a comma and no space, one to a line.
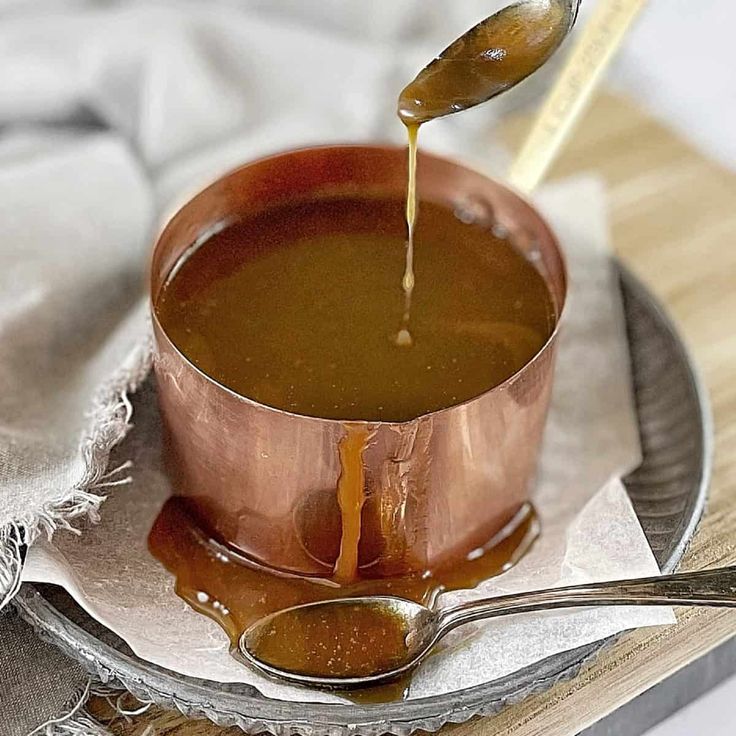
(673,215)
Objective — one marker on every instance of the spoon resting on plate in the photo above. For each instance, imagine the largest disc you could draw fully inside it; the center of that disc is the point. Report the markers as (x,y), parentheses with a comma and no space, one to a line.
(361,642)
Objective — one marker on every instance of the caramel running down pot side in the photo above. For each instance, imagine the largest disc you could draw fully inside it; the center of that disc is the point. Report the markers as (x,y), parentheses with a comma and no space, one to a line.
(266,481)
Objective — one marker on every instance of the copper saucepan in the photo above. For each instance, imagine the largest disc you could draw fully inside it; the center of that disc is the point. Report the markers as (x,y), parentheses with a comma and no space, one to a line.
(264,480)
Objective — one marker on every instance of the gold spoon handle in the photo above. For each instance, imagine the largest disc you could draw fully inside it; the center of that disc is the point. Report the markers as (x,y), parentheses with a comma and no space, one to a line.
(703,588)
(594,49)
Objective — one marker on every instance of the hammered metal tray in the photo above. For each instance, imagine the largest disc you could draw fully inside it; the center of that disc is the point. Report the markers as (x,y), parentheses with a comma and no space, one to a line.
(668,492)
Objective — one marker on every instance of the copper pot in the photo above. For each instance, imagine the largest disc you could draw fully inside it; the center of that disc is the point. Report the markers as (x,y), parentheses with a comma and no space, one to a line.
(264,481)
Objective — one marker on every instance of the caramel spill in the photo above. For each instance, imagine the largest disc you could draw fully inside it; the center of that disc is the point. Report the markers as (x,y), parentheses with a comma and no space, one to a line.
(350,497)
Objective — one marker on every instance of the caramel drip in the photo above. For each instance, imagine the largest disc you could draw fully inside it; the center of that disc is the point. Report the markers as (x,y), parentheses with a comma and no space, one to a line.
(350,498)
(404,337)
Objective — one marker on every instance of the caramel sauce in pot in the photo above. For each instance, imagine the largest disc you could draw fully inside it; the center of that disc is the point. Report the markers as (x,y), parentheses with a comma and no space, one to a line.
(297,307)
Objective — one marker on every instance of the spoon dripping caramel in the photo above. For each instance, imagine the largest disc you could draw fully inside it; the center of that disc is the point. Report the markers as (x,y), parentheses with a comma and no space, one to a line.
(490,58)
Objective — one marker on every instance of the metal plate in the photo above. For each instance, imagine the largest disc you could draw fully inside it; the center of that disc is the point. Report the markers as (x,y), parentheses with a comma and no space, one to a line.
(668,492)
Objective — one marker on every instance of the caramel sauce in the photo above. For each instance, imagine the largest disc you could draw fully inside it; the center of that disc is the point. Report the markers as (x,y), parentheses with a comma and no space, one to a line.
(236,591)
(350,640)
(493,56)
(298,309)
(350,498)
(404,339)
(490,58)
(294,308)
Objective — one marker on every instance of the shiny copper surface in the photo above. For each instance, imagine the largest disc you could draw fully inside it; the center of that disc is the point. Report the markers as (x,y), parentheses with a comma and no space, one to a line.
(265,480)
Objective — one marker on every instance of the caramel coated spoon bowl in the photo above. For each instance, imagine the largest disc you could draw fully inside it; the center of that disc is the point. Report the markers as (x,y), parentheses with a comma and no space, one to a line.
(361,642)
(490,58)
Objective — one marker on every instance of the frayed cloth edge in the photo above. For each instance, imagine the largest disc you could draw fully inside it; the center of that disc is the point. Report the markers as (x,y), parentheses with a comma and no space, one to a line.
(76,721)
(109,424)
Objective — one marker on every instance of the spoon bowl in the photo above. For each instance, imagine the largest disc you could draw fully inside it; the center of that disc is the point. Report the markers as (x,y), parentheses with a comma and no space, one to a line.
(490,58)
(342,643)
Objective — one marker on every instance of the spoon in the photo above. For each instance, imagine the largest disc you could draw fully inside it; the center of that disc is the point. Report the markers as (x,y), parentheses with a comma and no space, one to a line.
(359,642)
(493,56)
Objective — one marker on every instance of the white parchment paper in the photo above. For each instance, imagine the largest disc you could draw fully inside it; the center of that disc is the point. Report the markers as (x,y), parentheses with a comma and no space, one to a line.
(589,529)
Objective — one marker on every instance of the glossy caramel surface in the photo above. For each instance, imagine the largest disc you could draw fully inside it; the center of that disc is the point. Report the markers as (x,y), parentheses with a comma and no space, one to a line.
(298,308)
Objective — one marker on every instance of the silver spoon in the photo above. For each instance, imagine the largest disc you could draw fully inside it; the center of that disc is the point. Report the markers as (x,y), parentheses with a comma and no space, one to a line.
(493,56)
(360,642)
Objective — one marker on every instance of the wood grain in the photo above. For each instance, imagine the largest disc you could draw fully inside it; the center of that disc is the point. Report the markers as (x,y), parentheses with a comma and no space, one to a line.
(596,44)
(674,220)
